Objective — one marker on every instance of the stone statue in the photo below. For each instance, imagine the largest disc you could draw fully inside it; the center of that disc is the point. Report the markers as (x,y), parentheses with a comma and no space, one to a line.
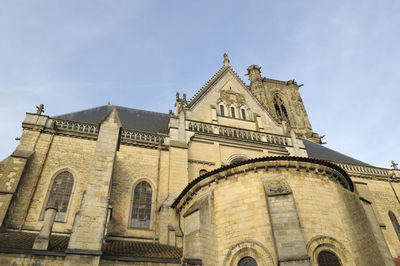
(40,109)
(226,59)
(180,103)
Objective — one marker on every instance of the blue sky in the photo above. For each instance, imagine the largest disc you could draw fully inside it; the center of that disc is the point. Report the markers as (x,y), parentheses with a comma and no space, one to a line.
(73,55)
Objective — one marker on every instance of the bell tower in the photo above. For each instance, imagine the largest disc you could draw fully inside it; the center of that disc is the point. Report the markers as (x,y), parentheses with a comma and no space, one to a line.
(282,99)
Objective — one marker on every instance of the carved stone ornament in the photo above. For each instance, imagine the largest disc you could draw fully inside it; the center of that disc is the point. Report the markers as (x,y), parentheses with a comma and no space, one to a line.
(277,187)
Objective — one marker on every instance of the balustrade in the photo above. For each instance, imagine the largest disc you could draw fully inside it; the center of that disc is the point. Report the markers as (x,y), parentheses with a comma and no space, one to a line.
(237,133)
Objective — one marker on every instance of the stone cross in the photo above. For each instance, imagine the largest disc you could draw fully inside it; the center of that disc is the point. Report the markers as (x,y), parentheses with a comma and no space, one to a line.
(40,109)
(395,165)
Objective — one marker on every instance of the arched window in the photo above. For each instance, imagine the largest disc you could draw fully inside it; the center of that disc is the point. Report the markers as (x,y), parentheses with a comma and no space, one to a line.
(233,112)
(222,110)
(280,108)
(60,193)
(243,114)
(326,258)
(141,206)
(202,172)
(247,261)
(395,223)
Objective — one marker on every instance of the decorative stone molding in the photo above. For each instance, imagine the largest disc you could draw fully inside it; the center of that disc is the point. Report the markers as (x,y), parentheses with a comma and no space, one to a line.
(277,187)
(327,243)
(318,167)
(250,248)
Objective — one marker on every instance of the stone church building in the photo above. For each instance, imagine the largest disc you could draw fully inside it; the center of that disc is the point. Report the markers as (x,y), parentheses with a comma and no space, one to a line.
(234,176)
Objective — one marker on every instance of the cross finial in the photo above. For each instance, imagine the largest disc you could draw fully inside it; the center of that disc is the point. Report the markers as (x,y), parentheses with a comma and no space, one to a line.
(226,59)
(40,109)
(395,165)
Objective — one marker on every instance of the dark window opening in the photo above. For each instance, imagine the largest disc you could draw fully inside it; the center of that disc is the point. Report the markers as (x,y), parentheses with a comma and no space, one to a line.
(247,261)
(141,207)
(233,112)
(326,258)
(243,114)
(202,172)
(222,110)
(60,193)
(280,108)
(395,223)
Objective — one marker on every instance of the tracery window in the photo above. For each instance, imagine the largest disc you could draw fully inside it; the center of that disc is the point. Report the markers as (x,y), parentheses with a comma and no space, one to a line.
(141,206)
(280,108)
(60,193)
(395,223)
(243,114)
(247,261)
(233,112)
(222,110)
(326,258)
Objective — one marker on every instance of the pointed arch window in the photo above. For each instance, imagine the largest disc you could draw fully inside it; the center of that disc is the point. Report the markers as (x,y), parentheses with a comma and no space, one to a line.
(222,110)
(233,112)
(280,108)
(141,207)
(395,223)
(243,114)
(60,193)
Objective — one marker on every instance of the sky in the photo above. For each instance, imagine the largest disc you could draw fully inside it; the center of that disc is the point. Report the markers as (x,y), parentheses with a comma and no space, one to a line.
(73,55)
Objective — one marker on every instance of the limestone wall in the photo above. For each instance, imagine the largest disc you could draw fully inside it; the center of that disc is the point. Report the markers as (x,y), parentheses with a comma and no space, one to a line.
(65,154)
(331,217)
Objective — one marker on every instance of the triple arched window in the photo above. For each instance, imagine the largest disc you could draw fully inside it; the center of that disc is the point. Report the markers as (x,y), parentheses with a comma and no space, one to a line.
(141,206)
(60,193)
(280,108)
(231,111)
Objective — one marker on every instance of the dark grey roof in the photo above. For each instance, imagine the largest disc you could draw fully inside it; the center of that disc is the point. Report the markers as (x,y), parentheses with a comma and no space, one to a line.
(318,151)
(130,118)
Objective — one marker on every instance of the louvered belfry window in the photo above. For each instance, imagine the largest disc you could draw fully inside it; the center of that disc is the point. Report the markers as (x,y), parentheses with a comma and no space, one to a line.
(60,193)
(141,206)
(280,108)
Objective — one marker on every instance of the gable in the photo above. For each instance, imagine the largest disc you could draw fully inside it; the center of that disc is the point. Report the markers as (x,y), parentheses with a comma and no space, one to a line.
(226,89)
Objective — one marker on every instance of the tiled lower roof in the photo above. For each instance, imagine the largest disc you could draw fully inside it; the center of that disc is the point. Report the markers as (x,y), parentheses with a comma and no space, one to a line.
(140,249)
(115,248)
(24,240)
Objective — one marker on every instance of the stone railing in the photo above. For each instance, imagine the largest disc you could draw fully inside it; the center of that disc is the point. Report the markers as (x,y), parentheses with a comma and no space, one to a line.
(137,136)
(243,134)
(77,126)
(365,170)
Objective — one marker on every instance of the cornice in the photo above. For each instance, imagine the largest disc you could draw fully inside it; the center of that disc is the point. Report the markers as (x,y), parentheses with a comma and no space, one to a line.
(264,163)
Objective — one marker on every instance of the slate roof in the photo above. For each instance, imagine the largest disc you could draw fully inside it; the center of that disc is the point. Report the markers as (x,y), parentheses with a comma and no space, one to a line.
(318,151)
(134,119)
(154,122)
(116,248)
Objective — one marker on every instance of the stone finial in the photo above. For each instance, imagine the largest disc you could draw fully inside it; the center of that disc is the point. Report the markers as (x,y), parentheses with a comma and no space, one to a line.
(226,59)
(180,103)
(395,165)
(43,239)
(40,109)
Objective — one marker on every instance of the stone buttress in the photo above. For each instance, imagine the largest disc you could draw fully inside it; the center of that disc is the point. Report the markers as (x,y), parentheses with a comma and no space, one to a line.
(85,245)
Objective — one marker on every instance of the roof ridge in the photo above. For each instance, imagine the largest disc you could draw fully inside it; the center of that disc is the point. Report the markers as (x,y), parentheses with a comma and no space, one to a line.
(141,110)
(106,105)
(87,109)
